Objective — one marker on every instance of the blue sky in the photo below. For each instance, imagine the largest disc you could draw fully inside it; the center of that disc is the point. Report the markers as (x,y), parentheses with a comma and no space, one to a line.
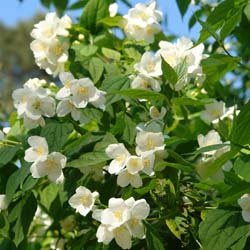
(12,11)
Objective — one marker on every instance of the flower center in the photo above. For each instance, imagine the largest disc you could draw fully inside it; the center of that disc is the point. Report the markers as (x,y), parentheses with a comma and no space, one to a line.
(57,50)
(120,157)
(67,84)
(85,200)
(150,67)
(150,144)
(146,162)
(40,150)
(118,215)
(83,91)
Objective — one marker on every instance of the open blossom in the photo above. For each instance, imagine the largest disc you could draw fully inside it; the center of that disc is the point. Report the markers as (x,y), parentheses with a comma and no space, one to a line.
(244,203)
(150,65)
(121,221)
(125,178)
(51,167)
(142,22)
(119,154)
(33,103)
(49,51)
(145,82)
(149,142)
(83,92)
(38,150)
(216,111)
(113,8)
(3,202)
(179,52)
(83,200)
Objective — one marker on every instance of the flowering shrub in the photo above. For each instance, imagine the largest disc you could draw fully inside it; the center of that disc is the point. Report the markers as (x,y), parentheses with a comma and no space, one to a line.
(137,145)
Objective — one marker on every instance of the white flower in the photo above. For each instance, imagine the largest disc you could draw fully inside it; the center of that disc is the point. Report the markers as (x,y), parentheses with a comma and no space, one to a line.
(150,65)
(148,164)
(119,153)
(35,84)
(213,112)
(139,211)
(116,214)
(113,8)
(38,150)
(155,114)
(3,202)
(211,138)
(65,78)
(49,51)
(83,200)
(244,203)
(82,91)
(125,178)
(52,167)
(66,107)
(142,22)
(134,164)
(145,82)
(149,142)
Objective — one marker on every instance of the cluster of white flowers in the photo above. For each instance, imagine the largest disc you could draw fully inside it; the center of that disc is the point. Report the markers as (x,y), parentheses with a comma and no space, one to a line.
(149,69)
(44,164)
(183,52)
(216,111)
(50,47)
(244,203)
(76,94)
(121,221)
(142,22)
(210,139)
(128,167)
(33,102)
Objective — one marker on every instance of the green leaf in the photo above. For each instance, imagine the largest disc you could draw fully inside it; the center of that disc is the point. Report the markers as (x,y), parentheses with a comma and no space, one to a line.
(222,229)
(231,23)
(111,54)
(7,153)
(141,94)
(96,68)
(169,73)
(61,5)
(216,66)
(94,11)
(153,240)
(247,11)
(56,134)
(113,83)
(241,128)
(188,101)
(111,21)
(185,168)
(183,6)
(15,180)
(24,220)
(129,130)
(48,195)
(242,167)
(78,5)
(103,144)
(88,159)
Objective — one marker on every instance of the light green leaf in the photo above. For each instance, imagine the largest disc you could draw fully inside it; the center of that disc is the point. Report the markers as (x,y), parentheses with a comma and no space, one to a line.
(188,101)
(111,54)
(169,74)
(242,167)
(111,21)
(141,94)
(96,68)
(56,134)
(129,130)
(222,229)
(48,195)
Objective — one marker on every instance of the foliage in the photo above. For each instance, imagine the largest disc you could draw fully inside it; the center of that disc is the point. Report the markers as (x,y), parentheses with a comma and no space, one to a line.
(137,116)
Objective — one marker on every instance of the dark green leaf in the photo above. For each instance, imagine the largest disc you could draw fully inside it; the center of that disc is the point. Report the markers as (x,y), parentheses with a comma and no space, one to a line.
(169,73)
(188,101)
(7,153)
(183,6)
(153,240)
(56,134)
(78,5)
(48,195)
(129,130)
